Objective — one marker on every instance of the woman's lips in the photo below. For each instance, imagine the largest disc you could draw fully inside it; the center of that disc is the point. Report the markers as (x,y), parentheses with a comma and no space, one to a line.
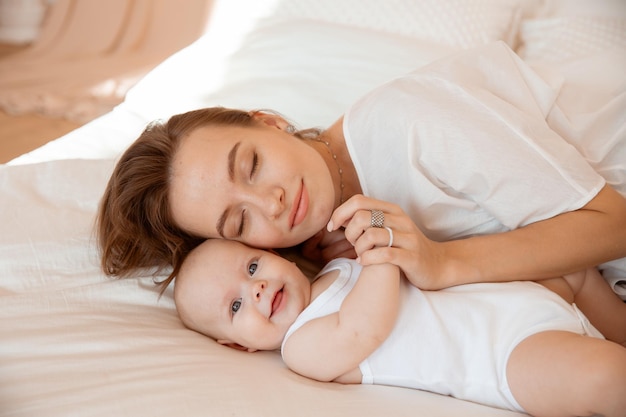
(277,301)
(300,207)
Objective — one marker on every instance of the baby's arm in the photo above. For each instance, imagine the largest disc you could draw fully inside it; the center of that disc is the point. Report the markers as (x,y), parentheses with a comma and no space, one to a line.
(327,347)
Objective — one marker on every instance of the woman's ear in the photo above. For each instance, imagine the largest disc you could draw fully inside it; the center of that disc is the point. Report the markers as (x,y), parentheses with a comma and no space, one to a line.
(271,120)
(234,345)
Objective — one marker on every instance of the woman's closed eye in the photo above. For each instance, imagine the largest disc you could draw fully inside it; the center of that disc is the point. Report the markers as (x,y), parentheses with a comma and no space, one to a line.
(255,164)
(242,224)
(253,170)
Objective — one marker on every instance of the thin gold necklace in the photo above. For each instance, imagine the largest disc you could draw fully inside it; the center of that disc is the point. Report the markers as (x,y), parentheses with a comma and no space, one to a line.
(341,186)
(307,135)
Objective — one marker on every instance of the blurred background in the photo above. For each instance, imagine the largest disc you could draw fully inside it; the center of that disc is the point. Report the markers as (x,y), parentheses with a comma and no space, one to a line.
(66,62)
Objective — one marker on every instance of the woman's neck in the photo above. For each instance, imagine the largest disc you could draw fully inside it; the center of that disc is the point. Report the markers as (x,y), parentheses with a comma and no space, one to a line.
(336,140)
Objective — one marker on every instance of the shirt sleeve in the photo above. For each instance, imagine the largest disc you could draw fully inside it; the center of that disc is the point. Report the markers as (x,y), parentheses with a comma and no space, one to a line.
(477,127)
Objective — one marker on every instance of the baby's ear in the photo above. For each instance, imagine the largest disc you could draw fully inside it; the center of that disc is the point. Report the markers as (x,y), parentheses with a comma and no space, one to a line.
(235,345)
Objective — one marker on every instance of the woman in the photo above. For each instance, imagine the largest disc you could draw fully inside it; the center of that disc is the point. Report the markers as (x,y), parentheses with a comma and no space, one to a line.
(472,150)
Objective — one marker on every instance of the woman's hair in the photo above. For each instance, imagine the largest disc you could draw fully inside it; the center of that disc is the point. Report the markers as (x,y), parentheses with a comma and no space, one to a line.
(135,227)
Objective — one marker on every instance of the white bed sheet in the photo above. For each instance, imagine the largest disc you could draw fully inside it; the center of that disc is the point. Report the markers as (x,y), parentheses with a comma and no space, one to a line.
(74,342)
(77,343)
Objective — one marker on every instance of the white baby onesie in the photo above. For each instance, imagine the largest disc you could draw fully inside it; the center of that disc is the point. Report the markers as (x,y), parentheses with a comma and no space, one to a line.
(455,341)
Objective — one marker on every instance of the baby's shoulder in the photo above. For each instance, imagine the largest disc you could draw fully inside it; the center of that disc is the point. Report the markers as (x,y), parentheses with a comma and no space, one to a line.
(338,269)
(323,282)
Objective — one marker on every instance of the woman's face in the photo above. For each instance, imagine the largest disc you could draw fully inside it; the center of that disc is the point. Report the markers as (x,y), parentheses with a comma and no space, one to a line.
(258,185)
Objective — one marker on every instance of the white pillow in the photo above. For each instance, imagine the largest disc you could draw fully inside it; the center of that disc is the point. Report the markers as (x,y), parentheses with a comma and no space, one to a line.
(308,59)
(562,39)
(566,30)
(462,23)
(312,71)
(311,59)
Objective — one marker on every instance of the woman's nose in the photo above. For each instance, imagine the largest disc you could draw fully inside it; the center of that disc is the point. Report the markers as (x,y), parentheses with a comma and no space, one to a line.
(273,201)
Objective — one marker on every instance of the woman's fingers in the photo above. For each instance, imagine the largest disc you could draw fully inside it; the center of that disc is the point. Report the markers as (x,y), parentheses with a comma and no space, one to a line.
(358,225)
(359,214)
(371,225)
(419,259)
(375,237)
(346,212)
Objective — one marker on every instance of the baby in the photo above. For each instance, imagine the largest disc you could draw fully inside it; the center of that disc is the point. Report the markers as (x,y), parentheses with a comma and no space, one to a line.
(515,345)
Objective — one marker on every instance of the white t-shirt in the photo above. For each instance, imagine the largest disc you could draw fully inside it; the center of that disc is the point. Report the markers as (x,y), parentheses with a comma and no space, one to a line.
(464,147)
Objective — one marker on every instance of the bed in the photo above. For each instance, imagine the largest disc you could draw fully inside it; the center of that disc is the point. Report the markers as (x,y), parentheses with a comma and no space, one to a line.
(74,342)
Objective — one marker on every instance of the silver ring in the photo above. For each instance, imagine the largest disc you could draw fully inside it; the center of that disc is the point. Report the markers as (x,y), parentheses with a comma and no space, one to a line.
(378,218)
(390,236)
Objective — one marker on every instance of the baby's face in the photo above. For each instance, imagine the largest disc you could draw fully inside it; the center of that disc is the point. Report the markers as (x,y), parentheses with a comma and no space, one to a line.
(240,295)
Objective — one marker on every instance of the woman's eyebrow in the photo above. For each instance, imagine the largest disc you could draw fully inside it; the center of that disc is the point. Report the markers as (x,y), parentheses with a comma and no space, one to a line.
(232,158)
(221,222)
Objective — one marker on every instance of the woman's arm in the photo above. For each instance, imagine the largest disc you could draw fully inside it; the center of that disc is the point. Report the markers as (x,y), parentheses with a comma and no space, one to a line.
(566,243)
(328,347)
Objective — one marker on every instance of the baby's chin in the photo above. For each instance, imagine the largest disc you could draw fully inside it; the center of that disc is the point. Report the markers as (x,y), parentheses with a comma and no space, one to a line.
(268,347)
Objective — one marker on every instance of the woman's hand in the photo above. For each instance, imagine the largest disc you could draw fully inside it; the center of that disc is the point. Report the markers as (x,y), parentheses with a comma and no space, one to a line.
(421,259)
(326,246)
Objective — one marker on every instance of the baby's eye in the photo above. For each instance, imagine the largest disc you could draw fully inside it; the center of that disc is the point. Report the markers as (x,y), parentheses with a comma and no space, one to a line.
(252,267)
(235,306)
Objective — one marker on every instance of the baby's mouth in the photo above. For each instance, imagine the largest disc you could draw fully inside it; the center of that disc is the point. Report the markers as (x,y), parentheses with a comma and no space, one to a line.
(278,298)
